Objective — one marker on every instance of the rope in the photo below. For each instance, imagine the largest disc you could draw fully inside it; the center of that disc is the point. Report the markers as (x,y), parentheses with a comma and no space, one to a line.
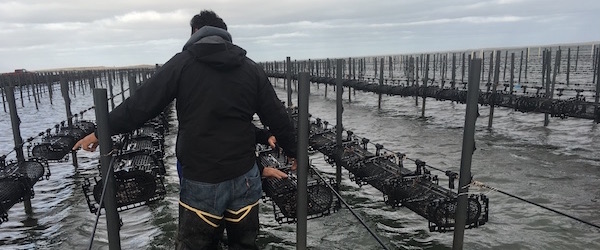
(110,166)
(350,209)
(480,184)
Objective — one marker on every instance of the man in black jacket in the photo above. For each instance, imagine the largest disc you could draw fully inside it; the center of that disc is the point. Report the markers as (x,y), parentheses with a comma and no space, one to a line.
(218,90)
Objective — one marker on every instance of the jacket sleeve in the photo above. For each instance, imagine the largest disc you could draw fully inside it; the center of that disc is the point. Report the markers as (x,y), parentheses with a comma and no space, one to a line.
(149,100)
(262,135)
(273,114)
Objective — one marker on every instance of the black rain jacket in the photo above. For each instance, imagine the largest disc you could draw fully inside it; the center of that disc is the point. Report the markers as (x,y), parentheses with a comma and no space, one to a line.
(217,90)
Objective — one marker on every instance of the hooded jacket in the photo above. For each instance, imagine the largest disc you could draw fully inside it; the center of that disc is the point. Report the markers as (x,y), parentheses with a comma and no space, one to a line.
(217,90)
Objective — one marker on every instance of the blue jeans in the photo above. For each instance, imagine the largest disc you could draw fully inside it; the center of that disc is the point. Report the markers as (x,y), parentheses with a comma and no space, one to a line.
(206,209)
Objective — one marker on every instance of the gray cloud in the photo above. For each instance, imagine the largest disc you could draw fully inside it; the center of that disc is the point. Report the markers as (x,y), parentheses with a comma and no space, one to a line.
(40,34)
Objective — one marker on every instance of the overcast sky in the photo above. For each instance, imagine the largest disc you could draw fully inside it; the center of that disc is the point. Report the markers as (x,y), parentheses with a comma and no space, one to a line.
(45,34)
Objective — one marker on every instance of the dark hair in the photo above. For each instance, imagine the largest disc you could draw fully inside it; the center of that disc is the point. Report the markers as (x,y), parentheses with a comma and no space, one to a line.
(207,18)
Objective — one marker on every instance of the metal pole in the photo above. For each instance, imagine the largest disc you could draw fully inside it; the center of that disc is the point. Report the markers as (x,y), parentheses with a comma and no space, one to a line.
(467,153)
(547,94)
(568,64)
(512,75)
(327,73)
(33,91)
(64,89)
(302,209)
(526,61)
(110,89)
(416,82)
(49,83)
(494,87)
(288,77)
(505,62)
(338,129)
(520,67)
(3,98)
(453,70)
(462,79)
(133,86)
(468,148)
(576,59)
(489,80)
(380,83)
(349,72)
(597,85)
(425,79)
(107,172)
(15,122)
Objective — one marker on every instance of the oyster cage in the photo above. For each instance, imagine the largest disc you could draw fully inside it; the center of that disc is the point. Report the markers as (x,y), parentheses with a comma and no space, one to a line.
(417,190)
(138,170)
(283,193)
(54,147)
(13,189)
(134,188)
(17,180)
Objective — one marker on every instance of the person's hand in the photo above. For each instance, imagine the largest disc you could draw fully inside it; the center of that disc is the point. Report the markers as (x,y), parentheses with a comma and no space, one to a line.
(294,163)
(88,143)
(270,172)
(272,141)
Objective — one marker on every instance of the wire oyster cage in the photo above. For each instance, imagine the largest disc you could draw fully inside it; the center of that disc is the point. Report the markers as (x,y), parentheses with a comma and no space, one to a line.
(283,192)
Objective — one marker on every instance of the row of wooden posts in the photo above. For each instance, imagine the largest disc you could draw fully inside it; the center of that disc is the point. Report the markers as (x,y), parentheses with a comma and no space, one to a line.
(68,83)
(547,74)
(36,84)
(445,71)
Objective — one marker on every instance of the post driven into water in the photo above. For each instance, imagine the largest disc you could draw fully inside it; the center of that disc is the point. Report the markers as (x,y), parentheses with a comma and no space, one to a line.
(16,122)
(338,127)
(302,160)
(106,170)
(468,148)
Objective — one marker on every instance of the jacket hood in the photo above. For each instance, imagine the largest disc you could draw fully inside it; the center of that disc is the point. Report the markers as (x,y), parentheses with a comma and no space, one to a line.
(213,46)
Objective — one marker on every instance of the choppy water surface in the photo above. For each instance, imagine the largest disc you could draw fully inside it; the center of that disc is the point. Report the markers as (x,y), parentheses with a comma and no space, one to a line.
(557,166)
